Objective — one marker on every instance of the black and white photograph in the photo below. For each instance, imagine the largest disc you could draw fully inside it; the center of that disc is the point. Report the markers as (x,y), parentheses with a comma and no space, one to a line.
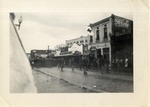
(74,52)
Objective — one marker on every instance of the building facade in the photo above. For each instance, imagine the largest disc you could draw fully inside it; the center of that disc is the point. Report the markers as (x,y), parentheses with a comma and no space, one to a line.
(37,54)
(101,39)
(83,40)
(112,37)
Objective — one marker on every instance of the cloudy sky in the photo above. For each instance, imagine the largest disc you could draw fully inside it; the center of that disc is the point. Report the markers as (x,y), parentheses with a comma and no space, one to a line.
(38,30)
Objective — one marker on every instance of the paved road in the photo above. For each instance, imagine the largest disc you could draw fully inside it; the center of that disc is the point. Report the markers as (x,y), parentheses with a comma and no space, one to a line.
(48,84)
(94,80)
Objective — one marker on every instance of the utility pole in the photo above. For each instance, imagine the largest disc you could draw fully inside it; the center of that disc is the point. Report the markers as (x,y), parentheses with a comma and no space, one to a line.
(48,51)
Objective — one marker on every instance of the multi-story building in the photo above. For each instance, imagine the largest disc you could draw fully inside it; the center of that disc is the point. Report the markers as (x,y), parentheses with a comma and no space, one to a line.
(101,39)
(83,40)
(36,54)
(112,37)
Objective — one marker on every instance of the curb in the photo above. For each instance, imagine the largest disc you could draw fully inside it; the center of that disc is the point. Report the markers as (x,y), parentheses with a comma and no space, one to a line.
(79,85)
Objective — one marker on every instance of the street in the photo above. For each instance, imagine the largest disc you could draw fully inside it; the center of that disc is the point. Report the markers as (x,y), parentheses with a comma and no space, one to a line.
(52,80)
(48,84)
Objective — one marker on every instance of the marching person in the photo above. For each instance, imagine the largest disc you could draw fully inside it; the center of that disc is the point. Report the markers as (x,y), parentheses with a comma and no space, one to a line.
(81,63)
(106,64)
(61,64)
(72,64)
(58,63)
(84,59)
(102,63)
(126,64)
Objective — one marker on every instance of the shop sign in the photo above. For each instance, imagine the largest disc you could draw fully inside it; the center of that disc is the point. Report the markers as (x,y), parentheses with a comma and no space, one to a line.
(64,53)
(121,22)
(98,46)
(93,48)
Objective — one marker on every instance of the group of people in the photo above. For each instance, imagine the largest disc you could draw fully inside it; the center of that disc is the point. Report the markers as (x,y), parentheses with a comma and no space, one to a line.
(121,64)
(102,64)
(83,64)
(60,62)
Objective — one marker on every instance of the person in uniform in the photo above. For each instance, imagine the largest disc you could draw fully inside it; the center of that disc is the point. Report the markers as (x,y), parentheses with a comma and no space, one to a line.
(61,64)
(84,59)
(72,64)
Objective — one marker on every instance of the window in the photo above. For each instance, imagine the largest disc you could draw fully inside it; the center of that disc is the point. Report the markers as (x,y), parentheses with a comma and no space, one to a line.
(97,34)
(81,41)
(105,32)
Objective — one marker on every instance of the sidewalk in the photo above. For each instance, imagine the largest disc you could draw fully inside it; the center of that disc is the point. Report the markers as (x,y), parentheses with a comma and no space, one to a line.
(94,81)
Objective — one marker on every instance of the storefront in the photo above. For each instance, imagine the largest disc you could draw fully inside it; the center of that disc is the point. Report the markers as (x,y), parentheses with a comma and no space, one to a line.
(75,52)
(122,39)
(102,49)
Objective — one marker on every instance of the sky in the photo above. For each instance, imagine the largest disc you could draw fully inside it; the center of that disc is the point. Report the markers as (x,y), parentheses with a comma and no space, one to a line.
(40,30)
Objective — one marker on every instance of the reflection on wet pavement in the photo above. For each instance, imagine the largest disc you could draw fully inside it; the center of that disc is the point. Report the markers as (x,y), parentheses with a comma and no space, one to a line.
(49,84)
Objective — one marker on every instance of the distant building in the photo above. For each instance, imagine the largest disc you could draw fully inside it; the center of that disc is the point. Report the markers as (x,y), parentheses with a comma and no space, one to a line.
(37,54)
(83,40)
(74,49)
(112,37)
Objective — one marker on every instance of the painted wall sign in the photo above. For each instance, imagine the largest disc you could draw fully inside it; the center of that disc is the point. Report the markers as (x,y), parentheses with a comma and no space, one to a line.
(122,26)
(121,22)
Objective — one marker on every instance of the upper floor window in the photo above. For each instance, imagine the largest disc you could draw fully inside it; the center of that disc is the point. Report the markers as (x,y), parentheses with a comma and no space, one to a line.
(97,34)
(105,32)
(91,39)
(81,41)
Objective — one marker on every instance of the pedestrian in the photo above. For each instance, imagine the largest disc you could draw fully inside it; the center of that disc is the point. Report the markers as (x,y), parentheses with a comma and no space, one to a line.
(121,64)
(102,64)
(107,65)
(97,62)
(126,64)
(117,64)
(84,65)
(72,64)
(58,63)
(61,64)
(81,63)
(87,64)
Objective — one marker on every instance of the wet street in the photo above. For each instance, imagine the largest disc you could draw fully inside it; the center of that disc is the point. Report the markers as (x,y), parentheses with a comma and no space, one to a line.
(48,84)
(52,80)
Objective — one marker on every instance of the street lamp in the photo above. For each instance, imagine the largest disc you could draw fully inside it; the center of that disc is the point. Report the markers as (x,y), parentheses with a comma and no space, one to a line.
(20,21)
